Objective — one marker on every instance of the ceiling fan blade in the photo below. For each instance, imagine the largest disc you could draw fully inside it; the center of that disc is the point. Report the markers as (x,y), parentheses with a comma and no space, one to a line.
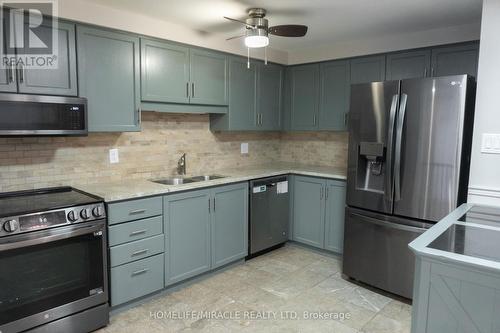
(289,30)
(242,22)
(235,37)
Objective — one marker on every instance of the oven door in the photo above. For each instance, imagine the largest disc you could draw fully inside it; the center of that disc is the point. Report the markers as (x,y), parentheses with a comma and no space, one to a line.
(50,274)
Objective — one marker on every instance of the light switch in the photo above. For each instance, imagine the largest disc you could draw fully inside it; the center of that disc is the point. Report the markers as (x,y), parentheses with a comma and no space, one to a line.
(244,147)
(490,143)
(113,156)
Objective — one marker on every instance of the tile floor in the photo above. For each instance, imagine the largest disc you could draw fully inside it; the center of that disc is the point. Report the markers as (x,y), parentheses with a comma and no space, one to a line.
(277,292)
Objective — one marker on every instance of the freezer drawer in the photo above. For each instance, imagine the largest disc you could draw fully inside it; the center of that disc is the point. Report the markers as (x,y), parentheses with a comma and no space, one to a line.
(269,211)
(376,250)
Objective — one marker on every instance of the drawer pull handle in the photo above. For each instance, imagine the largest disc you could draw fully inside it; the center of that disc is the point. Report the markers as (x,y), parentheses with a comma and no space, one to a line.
(138,232)
(141,271)
(137,211)
(136,253)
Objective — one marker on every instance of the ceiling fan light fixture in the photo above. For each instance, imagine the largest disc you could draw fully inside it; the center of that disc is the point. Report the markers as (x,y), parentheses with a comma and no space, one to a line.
(256,38)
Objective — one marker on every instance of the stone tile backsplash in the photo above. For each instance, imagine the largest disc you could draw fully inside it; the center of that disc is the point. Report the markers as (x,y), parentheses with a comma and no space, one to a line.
(47,161)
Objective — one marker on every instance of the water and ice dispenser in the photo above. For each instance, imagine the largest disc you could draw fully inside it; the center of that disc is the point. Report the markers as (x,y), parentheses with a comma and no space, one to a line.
(371,166)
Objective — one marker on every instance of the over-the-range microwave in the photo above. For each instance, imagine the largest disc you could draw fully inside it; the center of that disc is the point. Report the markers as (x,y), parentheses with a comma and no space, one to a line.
(37,115)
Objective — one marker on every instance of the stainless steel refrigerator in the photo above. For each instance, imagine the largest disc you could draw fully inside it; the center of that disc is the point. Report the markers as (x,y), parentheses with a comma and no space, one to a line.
(408,167)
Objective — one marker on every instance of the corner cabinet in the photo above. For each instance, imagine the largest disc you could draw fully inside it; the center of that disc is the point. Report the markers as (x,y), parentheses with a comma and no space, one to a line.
(108,76)
(173,73)
(255,98)
(318,212)
(204,229)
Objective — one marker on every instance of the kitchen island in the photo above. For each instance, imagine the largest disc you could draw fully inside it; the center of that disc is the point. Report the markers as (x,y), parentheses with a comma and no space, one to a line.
(457,273)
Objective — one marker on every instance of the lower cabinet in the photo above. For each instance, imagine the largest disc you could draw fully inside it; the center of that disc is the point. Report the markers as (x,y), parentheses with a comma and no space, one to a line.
(204,229)
(318,212)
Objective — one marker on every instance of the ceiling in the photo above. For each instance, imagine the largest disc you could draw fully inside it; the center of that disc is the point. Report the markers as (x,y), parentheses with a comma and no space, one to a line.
(329,21)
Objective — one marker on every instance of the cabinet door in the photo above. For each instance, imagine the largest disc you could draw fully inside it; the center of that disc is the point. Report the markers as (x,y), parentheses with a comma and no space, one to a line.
(334,215)
(334,95)
(455,60)
(308,211)
(269,96)
(208,77)
(164,72)
(8,81)
(368,69)
(108,75)
(242,95)
(54,81)
(305,97)
(408,65)
(229,224)
(187,235)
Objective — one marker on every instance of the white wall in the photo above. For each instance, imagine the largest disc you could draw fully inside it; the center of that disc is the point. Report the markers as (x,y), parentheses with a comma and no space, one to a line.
(484,184)
(387,43)
(106,16)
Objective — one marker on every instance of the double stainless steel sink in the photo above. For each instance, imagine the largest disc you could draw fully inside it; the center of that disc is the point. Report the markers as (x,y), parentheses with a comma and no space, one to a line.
(186,180)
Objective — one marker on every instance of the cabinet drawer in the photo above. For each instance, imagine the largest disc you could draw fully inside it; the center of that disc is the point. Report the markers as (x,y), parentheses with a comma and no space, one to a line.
(140,249)
(131,231)
(136,279)
(134,209)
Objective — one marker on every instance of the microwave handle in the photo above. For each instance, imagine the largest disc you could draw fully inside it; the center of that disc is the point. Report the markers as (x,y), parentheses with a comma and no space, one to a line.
(28,240)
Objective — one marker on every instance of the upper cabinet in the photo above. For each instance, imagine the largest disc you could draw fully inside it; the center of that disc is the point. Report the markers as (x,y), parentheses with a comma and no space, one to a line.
(407,65)
(108,75)
(304,103)
(61,80)
(171,73)
(269,96)
(455,60)
(368,69)
(255,98)
(334,95)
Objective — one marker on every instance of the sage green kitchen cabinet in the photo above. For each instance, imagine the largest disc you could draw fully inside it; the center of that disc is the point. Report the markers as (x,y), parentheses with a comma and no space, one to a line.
(53,81)
(187,234)
(304,97)
(334,95)
(408,65)
(269,96)
(318,212)
(229,223)
(173,73)
(455,60)
(208,76)
(109,77)
(334,215)
(242,112)
(368,69)
(8,80)
(309,211)
(164,72)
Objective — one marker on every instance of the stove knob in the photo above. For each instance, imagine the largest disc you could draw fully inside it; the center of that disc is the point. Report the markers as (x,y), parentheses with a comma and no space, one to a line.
(97,211)
(10,226)
(85,213)
(72,216)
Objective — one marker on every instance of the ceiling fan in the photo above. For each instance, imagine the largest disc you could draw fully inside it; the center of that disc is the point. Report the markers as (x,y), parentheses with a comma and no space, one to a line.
(258,30)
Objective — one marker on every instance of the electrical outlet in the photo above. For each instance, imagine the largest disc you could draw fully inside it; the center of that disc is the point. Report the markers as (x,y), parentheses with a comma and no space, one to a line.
(244,148)
(490,143)
(113,156)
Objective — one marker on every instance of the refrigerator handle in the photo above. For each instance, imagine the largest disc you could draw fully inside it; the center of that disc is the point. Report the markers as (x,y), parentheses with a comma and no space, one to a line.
(390,143)
(397,154)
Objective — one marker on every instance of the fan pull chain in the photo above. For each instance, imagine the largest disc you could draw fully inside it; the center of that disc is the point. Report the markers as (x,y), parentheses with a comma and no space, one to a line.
(248,57)
(265,55)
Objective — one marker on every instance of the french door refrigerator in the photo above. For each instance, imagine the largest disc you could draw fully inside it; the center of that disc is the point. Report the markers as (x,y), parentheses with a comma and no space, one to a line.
(408,166)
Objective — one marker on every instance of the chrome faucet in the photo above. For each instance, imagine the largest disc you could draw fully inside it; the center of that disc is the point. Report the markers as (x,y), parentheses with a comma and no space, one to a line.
(181,165)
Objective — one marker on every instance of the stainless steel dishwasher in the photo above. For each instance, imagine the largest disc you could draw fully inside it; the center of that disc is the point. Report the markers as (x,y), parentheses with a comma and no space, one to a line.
(269,212)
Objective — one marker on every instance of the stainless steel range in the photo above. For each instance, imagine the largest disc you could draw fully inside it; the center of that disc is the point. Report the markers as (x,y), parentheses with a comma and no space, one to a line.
(53,268)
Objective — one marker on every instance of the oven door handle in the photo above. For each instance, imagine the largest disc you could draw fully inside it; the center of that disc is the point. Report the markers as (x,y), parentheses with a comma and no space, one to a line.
(29,240)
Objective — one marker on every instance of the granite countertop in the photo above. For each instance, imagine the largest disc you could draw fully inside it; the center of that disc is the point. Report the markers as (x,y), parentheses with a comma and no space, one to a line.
(128,189)
(469,235)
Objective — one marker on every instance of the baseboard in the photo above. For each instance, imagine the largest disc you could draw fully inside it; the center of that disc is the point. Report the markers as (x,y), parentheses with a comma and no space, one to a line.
(484,195)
